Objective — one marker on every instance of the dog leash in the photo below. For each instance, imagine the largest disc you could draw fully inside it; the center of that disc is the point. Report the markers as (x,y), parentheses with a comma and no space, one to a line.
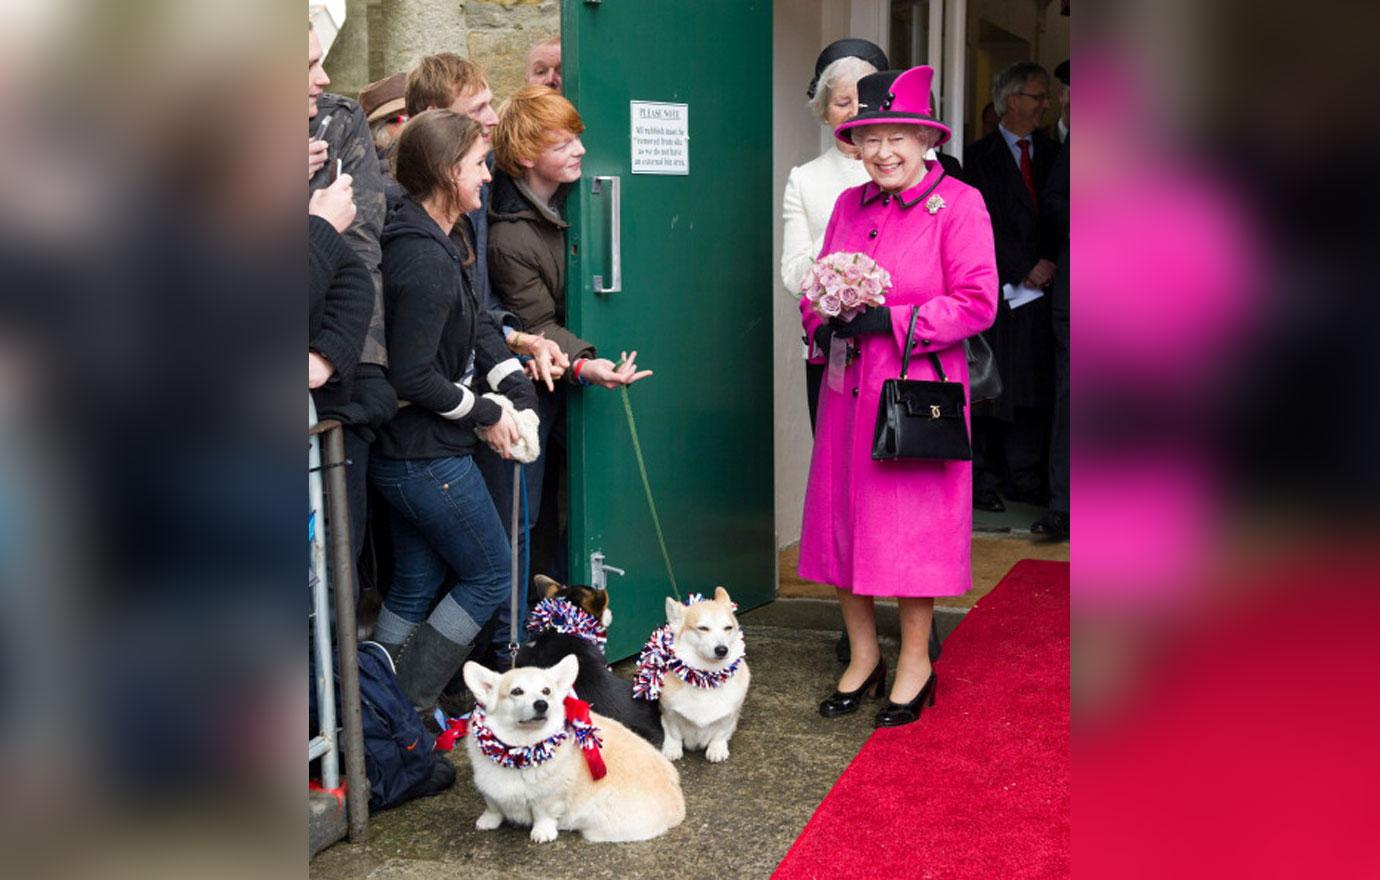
(647,489)
(519,501)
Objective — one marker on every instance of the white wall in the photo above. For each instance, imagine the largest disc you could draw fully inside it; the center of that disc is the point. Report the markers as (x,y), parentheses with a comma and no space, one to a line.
(801,29)
(798,37)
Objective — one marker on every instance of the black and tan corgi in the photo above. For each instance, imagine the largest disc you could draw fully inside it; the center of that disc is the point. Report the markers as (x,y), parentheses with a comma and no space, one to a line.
(571,619)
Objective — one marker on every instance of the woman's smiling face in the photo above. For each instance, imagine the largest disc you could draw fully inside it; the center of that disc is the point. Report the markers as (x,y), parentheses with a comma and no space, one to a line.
(894,155)
(470,176)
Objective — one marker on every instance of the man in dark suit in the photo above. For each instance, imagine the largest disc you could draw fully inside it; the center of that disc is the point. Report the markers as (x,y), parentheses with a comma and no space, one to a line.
(1009,167)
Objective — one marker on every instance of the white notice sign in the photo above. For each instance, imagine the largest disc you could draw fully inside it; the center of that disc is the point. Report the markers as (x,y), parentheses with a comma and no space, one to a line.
(660,138)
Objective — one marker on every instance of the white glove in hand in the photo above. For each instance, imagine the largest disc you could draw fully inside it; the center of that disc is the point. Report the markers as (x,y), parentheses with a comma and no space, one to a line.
(528,446)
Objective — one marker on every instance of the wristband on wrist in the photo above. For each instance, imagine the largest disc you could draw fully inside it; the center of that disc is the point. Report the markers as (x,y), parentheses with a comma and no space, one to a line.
(580,365)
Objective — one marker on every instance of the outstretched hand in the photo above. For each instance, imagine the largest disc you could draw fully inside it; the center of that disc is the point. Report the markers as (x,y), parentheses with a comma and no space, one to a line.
(602,371)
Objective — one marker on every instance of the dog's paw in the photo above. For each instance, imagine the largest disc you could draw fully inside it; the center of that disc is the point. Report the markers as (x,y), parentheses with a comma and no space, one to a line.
(671,750)
(717,752)
(489,820)
(544,832)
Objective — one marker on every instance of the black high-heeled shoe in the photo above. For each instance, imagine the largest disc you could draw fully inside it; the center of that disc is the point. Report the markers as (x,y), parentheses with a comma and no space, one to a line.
(896,714)
(843,703)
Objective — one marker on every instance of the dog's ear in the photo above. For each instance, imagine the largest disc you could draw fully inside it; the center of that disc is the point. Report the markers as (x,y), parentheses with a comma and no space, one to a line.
(721,595)
(566,672)
(674,611)
(546,586)
(481,682)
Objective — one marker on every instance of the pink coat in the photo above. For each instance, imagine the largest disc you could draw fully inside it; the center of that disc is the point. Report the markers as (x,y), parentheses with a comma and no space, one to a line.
(899,528)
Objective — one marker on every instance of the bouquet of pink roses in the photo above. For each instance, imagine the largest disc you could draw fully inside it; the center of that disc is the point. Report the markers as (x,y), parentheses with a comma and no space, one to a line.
(840,285)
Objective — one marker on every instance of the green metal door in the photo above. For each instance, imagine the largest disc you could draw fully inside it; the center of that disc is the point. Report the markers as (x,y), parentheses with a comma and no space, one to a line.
(686,85)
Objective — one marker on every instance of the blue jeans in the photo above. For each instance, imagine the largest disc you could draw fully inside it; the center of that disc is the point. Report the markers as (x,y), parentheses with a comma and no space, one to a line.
(442,519)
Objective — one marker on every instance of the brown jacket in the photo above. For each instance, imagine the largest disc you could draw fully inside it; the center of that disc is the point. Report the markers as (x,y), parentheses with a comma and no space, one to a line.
(527,261)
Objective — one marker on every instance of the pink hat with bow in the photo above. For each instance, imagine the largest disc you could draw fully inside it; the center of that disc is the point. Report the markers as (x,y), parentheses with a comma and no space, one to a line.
(895,97)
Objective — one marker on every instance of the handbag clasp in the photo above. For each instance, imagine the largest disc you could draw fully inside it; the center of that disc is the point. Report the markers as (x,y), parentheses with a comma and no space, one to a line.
(934,411)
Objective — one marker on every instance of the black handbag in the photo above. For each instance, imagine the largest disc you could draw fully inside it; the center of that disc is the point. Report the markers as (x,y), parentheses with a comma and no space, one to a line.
(984,381)
(919,419)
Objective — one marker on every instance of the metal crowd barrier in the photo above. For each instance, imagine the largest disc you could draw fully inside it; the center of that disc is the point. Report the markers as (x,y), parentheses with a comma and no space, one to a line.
(330,513)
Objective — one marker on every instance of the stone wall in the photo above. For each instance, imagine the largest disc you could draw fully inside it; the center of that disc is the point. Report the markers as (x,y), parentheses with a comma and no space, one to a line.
(384,36)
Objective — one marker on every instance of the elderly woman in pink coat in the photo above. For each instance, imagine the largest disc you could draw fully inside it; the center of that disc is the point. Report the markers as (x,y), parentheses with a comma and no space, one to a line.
(895,528)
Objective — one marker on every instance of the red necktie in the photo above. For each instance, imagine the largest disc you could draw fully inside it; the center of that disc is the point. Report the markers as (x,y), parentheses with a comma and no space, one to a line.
(1027,173)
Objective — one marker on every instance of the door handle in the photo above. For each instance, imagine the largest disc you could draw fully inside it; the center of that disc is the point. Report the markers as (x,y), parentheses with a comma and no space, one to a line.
(615,233)
(598,571)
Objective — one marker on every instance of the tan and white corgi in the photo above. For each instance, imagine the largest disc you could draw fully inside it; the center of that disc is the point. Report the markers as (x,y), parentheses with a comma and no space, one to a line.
(704,675)
(529,766)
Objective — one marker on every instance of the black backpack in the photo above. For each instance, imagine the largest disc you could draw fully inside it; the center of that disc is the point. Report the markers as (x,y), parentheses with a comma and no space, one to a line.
(398,750)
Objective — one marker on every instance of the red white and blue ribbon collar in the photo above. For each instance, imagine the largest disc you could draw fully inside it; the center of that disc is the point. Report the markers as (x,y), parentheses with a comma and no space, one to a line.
(578,724)
(566,617)
(659,657)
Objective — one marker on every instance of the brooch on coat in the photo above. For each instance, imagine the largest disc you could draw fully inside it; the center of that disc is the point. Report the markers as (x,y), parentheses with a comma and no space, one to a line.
(934,204)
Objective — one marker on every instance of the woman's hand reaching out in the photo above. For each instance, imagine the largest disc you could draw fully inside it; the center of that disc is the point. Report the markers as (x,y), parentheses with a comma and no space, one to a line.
(602,371)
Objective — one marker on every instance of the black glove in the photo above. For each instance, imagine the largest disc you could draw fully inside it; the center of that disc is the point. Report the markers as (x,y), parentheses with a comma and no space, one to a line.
(822,337)
(876,319)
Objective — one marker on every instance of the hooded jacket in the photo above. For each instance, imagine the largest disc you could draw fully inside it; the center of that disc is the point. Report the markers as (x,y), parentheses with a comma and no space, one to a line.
(442,346)
(527,261)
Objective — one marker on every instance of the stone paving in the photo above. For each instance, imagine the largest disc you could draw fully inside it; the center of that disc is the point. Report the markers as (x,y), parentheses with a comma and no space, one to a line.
(741,816)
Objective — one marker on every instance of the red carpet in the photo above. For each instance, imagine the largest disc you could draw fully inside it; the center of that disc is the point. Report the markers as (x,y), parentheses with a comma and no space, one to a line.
(979,787)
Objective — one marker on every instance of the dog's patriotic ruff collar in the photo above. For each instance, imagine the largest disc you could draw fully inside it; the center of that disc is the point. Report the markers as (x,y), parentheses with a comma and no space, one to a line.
(577,724)
(566,617)
(659,657)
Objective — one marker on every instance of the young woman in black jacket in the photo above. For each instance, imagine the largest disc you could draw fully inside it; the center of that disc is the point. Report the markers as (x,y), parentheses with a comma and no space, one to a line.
(444,351)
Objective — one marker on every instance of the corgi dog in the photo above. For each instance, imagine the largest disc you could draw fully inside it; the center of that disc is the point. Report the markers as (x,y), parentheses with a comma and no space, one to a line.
(696,666)
(532,765)
(573,619)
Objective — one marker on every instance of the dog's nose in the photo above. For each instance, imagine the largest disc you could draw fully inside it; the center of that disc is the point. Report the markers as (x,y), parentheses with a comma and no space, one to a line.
(540,705)
(721,650)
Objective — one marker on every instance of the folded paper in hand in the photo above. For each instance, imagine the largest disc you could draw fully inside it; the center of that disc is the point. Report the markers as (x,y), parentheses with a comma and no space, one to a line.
(1017,296)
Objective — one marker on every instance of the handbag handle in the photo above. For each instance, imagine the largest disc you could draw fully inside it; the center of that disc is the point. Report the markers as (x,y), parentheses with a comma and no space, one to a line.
(910,341)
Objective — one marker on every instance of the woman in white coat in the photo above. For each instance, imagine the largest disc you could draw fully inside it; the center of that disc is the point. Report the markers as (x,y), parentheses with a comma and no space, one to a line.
(812,188)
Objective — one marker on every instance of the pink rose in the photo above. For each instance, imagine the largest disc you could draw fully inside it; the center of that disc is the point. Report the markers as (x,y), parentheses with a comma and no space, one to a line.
(830,305)
(870,288)
(850,297)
